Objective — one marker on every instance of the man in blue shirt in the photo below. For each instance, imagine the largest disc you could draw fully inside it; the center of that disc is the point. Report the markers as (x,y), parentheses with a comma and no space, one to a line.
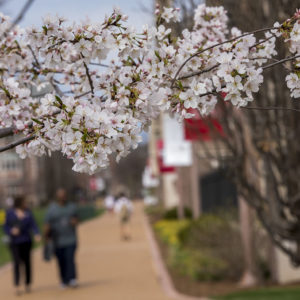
(60,225)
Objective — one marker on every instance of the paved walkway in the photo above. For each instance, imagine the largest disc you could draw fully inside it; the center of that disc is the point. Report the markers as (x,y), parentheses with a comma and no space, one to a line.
(109,269)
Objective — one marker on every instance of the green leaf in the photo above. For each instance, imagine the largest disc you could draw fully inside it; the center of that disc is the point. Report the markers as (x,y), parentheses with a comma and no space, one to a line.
(180,85)
(6,92)
(37,121)
(157,54)
(58,100)
(45,29)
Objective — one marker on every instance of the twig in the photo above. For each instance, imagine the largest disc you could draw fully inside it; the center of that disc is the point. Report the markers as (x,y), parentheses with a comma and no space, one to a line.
(270,108)
(99,65)
(17,143)
(280,61)
(34,56)
(83,94)
(198,72)
(89,77)
(262,41)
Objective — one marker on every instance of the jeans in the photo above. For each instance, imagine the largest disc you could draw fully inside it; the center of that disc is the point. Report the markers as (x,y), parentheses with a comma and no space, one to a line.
(21,256)
(66,263)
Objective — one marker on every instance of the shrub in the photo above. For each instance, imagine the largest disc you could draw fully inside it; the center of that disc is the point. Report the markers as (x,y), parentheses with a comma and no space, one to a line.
(197,265)
(172,214)
(169,231)
(219,238)
(207,249)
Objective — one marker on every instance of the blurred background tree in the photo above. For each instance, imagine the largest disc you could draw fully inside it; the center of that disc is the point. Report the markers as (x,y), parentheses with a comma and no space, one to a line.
(262,139)
(258,149)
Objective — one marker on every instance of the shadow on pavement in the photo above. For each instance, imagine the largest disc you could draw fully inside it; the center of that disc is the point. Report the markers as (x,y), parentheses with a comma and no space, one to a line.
(82,285)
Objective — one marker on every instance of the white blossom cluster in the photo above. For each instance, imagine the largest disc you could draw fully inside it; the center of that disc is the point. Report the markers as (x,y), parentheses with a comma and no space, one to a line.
(109,80)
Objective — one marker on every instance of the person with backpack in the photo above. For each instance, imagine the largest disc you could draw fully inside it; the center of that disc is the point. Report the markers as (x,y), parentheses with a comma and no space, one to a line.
(124,208)
(20,226)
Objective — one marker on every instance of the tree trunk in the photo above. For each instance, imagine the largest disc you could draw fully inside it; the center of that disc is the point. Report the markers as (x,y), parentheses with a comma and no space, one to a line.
(246,220)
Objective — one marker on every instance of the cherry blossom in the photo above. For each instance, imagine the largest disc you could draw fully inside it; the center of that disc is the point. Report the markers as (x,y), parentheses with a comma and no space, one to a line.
(107,81)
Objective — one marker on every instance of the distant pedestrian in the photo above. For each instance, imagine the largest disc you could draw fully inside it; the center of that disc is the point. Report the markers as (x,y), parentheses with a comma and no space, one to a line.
(109,203)
(124,208)
(60,225)
(20,226)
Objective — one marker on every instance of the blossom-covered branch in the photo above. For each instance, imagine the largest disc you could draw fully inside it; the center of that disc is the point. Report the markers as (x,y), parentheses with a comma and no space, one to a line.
(110,80)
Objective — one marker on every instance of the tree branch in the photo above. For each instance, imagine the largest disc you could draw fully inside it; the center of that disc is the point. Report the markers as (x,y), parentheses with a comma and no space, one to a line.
(99,65)
(271,108)
(262,41)
(89,77)
(34,56)
(281,61)
(17,143)
(198,72)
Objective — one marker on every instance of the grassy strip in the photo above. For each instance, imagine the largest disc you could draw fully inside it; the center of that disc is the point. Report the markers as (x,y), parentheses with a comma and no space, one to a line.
(280,293)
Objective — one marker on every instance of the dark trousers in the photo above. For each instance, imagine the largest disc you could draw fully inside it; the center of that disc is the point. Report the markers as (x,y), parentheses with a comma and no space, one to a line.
(21,255)
(66,263)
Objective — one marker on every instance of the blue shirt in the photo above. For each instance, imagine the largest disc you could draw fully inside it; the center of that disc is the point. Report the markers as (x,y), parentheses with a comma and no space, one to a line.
(26,225)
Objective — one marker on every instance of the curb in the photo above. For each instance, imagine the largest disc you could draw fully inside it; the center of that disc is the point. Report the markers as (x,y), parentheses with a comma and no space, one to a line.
(160,268)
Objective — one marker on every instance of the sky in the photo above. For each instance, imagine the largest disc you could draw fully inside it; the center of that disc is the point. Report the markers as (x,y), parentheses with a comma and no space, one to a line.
(139,11)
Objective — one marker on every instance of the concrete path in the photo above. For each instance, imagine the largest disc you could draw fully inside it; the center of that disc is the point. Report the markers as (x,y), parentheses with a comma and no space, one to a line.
(108,268)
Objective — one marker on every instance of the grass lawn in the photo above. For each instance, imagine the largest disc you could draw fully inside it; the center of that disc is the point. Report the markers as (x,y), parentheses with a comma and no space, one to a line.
(275,293)
(85,212)
(4,254)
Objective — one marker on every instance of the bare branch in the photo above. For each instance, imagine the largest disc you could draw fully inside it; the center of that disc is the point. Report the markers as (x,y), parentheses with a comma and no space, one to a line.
(83,94)
(281,61)
(34,56)
(99,65)
(262,41)
(198,72)
(271,108)
(17,143)
(89,77)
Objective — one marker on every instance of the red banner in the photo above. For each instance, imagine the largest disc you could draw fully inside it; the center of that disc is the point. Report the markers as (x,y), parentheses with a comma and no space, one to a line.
(198,128)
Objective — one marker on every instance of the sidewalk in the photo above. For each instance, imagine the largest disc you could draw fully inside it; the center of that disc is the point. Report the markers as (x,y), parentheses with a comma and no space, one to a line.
(108,268)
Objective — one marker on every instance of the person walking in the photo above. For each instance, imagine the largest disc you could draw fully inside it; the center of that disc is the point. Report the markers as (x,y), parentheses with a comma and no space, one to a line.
(60,225)
(124,208)
(20,226)
(109,203)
